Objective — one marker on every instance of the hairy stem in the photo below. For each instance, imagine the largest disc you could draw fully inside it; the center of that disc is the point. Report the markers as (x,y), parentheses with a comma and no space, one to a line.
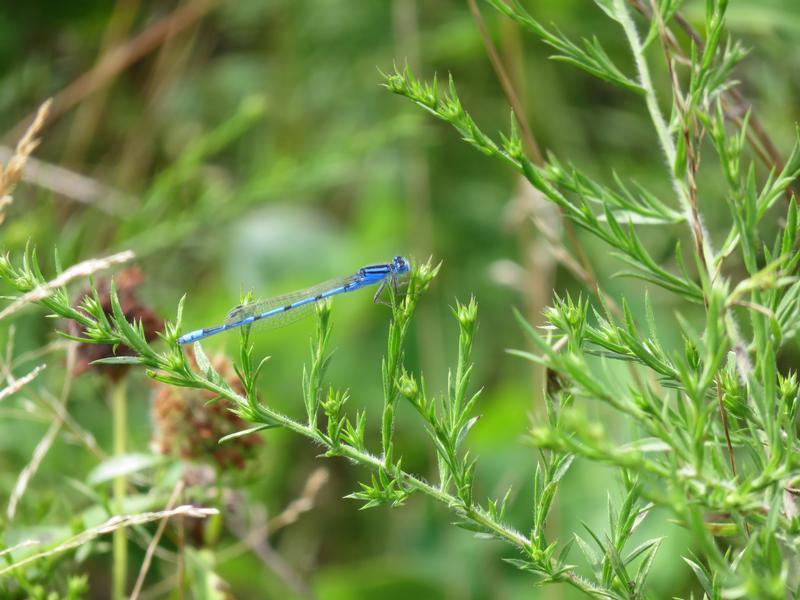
(664,138)
(473,512)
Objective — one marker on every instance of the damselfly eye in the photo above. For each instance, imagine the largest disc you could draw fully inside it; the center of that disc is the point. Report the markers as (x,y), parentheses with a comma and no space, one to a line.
(400,264)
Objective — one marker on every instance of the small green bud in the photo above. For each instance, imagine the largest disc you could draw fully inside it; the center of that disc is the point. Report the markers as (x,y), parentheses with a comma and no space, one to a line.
(324,310)
(787,385)
(787,388)
(451,109)
(569,316)
(425,272)
(546,437)
(333,403)
(253,106)
(467,314)
(77,586)
(407,386)
(733,396)
(692,355)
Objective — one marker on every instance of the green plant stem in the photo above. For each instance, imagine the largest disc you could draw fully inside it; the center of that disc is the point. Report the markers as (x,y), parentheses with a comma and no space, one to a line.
(628,26)
(473,512)
(120,542)
(173,368)
(662,131)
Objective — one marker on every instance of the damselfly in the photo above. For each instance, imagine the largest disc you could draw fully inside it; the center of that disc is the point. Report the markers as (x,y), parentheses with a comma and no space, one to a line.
(281,310)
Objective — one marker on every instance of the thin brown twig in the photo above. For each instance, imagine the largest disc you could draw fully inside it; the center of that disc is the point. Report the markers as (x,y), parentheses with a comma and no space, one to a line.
(161,589)
(588,274)
(69,184)
(90,113)
(296,508)
(109,526)
(726,428)
(44,445)
(56,405)
(16,385)
(692,159)
(692,164)
(181,566)
(724,413)
(32,467)
(11,172)
(168,63)
(83,269)
(756,126)
(757,135)
(244,528)
(528,139)
(538,267)
(37,353)
(84,436)
(417,188)
(151,548)
(120,58)
(303,503)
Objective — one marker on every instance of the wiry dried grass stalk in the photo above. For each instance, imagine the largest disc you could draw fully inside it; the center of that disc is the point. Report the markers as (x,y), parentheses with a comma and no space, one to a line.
(11,173)
(83,269)
(123,56)
(114,523)
(303,504)
(151,548)
(18,384)
(69,184)
(20,546)
(45,443)
(30,469)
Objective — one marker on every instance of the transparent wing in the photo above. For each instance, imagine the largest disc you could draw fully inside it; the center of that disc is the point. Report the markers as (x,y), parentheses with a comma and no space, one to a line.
(279,319)
(257,308)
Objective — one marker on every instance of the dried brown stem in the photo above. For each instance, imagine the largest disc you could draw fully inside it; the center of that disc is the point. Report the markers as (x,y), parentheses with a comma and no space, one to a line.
(69,184)
(531,146)
(151,548)
(736,106)
(302,504)
(120,58)
(83,269)
(11,172)
(90,113)
(17,384)
(44,445)
(111,525)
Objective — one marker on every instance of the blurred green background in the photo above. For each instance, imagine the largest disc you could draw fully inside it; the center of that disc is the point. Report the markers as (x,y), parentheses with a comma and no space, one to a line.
(253,147)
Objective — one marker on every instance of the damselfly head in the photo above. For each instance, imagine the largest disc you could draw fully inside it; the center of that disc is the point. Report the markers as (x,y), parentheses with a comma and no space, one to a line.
(400,265)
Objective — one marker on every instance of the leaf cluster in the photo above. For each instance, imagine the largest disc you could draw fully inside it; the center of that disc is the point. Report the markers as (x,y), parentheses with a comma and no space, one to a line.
(712,426)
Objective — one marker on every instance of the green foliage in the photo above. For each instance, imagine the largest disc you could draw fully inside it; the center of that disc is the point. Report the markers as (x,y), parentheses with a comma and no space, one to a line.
(589,56)
(714,428)
(684,393)
(389,483)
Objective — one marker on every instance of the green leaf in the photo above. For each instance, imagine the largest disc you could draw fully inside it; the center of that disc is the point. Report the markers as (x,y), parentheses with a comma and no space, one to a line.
(646,565)
(588,552)
(701,575)
(119,360)
(244,432)
(526,565)
(123,465)
(205,583)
